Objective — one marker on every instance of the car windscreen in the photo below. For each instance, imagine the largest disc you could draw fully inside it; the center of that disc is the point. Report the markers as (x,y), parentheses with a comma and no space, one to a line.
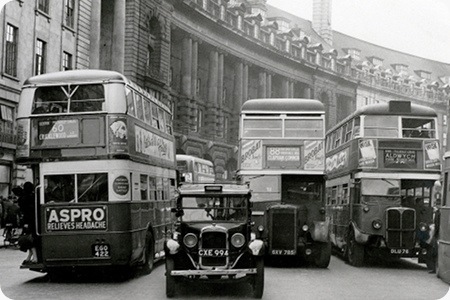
(223,208)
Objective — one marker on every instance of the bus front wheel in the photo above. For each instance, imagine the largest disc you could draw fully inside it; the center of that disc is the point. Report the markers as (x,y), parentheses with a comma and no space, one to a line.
(355,251)
(323,255)
(149,253)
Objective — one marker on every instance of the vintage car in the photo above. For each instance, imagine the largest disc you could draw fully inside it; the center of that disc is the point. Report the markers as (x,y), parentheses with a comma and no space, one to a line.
(213,238)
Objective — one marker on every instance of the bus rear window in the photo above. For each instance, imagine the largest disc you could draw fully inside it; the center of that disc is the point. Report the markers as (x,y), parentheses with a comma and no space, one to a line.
(68,98)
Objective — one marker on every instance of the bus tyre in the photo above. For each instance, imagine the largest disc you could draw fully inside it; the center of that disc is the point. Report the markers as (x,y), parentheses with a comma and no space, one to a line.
(170,280)
(355,251)
(149,253)
(323,255)
(258,279)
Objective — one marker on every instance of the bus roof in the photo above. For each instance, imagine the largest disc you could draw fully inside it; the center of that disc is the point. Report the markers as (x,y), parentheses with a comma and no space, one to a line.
(192,157)
(87,76)
(75,76)
(393,107)
(294,105)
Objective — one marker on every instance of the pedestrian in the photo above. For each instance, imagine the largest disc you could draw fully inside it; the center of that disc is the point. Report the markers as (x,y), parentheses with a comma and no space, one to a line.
(28,237)
(1,211)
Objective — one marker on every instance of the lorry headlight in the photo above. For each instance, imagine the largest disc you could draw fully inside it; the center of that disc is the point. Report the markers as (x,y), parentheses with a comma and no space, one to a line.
(376,224)
(237,240)
(190,240)
(423,227)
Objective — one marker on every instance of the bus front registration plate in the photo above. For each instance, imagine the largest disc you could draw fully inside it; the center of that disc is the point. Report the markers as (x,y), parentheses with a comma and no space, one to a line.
(101,250)
(400,251)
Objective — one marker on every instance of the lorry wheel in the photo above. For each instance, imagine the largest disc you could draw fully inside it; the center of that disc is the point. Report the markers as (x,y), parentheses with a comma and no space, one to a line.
(323,255)
(355,251)
(258,279)
(149,253)
(171,283)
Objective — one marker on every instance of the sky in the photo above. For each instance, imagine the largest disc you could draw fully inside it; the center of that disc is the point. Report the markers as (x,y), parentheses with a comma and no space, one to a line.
(417,27)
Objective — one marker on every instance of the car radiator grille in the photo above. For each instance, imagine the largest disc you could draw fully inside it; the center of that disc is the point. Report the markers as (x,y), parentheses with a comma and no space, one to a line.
(213,240)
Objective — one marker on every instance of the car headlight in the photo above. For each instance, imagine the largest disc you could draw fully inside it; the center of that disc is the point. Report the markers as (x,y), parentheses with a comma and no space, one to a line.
(190,240)
(305,227)
(376,224)
(238,240)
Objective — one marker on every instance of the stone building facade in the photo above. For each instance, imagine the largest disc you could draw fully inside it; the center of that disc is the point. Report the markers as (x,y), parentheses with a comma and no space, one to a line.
(204,58)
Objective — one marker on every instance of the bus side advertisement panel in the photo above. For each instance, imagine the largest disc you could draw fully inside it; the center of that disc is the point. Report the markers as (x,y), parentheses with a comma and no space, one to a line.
(151,144)
(118,134)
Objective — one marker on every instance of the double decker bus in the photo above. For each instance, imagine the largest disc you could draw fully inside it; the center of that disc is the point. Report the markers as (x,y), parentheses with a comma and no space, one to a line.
(102,153)
(383,167)
(195,169)
(281,156)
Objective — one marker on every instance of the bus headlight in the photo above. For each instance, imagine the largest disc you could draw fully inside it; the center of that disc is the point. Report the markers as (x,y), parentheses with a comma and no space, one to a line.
(237,240)
(260,228)
(376,224)
(173,246)
(423,227)
(190,240)
(305,227)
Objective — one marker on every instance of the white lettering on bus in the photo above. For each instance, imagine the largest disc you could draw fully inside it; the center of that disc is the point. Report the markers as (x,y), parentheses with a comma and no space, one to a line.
(77,215)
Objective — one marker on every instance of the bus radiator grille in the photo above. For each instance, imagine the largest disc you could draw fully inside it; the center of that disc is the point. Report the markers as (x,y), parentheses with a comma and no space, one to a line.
(400,225)
(282,230)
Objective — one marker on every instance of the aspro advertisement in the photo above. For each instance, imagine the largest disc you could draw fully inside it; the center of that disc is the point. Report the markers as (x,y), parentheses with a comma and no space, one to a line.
(251,155)
(76,218)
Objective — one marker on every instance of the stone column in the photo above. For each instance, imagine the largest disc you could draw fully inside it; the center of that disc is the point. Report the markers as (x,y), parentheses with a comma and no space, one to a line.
(220,73)
(291,89)
(194,68)
(213,80)
(285,88)
(269,86)
(307,92)
(94,51)
(118,37)
(186,67)
(238,85)
(245,84)
(262,84)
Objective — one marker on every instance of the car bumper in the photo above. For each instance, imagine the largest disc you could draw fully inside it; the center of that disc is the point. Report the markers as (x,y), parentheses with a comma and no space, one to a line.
(213,272)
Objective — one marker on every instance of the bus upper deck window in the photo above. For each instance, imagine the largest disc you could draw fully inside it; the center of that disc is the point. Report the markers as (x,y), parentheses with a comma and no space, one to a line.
(84,98)
(51,99)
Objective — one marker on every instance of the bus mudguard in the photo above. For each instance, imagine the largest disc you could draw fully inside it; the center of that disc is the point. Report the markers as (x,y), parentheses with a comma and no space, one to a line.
(320,232)
(360,237)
